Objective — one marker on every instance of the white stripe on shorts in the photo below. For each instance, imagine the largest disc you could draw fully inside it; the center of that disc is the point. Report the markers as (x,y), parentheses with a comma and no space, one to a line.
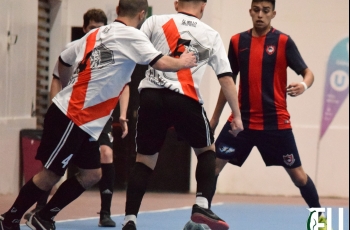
(207,127)
(60,144)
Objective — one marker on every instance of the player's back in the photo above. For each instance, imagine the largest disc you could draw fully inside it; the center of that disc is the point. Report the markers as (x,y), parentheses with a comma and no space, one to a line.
(172,34)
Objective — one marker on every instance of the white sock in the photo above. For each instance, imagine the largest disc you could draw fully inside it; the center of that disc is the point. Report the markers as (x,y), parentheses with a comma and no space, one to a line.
(128,218)
(202,202)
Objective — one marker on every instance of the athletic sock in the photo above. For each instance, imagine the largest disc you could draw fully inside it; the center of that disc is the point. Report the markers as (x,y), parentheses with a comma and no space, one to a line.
(106,185)
(28,195)
(309,193)
(205,175)
(210,200)
(43,200)
(65,194)
(137,186)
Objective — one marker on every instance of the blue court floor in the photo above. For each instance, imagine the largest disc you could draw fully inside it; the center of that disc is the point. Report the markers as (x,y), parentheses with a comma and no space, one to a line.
(239,217)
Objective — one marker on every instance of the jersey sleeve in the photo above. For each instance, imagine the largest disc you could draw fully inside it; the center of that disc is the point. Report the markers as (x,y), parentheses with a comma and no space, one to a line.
(141,50)
(232,57)
(218,60)
(147,27)
(70,53)
(294,59)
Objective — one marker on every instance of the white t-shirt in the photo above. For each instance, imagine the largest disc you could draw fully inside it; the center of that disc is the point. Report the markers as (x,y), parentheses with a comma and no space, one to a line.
(104,59)
(170,34)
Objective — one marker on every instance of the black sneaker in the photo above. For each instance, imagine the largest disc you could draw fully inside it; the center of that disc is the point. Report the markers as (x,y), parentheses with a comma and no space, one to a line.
(36,223)
(3,227)
(129,226)
(28,214)
(105,220)
(206,216)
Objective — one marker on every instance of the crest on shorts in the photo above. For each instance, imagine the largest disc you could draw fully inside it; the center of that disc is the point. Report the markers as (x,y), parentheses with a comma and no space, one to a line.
(289,159)
(270,49)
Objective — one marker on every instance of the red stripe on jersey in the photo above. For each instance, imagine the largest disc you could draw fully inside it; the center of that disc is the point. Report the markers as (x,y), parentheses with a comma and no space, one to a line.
(184,76)
(255,85)
(75,111)
(235,43)
(280,82)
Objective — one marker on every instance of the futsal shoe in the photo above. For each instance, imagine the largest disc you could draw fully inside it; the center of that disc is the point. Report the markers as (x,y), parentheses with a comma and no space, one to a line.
(130,225)
(28,214)
(3,227)
(206,216)
(190,225)
(105,220)
(37,223)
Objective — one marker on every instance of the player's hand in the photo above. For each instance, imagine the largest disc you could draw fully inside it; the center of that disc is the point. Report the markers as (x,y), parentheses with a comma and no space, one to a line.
(188,59)
(236,126)
(295,89)
(124,125)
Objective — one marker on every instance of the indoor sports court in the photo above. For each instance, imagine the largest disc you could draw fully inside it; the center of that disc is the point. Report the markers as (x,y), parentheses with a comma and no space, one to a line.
(34,33)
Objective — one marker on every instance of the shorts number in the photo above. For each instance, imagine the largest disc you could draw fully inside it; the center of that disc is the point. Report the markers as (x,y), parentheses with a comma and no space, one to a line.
(66,161)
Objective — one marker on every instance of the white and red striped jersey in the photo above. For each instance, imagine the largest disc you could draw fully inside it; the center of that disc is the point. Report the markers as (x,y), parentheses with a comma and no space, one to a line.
(104,59)
(174,33)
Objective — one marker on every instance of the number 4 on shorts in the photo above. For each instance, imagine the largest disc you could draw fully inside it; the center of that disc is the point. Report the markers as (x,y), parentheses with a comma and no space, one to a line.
(66,161)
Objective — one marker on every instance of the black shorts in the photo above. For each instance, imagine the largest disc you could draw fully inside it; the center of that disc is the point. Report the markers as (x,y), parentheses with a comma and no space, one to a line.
(277,147)
(161,109)
(64,142)
(106,137)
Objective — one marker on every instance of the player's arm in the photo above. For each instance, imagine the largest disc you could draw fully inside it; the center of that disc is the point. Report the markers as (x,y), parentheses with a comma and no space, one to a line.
(123,104)
(297,88)
(296,63)
(169,64)
(228,88)
(65,71)
(56,85)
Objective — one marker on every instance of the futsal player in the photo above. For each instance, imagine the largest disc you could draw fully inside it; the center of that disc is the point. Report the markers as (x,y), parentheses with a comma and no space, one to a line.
(173,99)
(261,56)
(103,62)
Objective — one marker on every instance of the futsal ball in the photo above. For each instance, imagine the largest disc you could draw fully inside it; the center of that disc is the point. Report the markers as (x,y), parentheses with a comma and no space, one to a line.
(190,225)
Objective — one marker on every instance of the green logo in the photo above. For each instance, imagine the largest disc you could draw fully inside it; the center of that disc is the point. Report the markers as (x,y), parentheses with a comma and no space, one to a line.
(312,221)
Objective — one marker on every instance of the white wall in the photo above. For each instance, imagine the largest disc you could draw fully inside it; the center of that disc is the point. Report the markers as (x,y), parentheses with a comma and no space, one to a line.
(315,27)
(17,84)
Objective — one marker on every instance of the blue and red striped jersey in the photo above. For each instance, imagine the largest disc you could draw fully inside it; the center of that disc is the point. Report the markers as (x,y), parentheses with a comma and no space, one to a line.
(261,63)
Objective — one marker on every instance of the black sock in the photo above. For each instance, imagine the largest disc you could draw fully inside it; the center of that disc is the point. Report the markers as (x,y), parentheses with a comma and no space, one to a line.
(28,195)
(205,174)
(65,194)
(137,186)
(106,185)
(310,195)
(213,191)
(43,200)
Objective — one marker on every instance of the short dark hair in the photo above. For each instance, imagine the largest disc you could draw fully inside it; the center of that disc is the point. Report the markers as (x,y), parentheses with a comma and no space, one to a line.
(273,2)
(96,15)
(130,8)
(192,0)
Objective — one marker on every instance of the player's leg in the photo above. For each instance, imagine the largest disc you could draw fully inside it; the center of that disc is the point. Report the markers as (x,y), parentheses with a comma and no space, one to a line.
(106,183)
(278,147)
(52,151)
(152,125)
(192,125)
(77,148)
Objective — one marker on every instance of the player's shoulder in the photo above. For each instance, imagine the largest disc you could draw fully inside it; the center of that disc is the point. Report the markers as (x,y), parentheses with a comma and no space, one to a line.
(277,32)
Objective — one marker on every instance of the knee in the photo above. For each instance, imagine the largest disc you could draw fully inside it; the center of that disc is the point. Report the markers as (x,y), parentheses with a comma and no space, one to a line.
(88,178)
(299,179)
(46,179)
(106,154)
